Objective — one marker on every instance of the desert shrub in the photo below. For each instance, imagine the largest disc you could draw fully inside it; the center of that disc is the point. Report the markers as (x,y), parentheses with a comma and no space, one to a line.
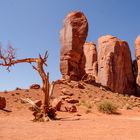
(87,104)
(88,111)
(107,106)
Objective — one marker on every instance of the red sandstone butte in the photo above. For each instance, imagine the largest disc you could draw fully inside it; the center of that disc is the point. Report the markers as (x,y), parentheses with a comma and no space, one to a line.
(72,37)
(90,54)
(137,55)
(115,65)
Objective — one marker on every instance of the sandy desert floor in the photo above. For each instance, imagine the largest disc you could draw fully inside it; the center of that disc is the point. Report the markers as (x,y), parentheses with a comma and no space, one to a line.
(92,126)
(18,124)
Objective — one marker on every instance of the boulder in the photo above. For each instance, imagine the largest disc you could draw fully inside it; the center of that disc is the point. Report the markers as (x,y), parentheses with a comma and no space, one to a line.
(2,102)
(115,65)
(90,54)
(72,37)
(72,101)
(35,86)
(71,108)
(66,92)
(64,97)
(17,88)
(57,103)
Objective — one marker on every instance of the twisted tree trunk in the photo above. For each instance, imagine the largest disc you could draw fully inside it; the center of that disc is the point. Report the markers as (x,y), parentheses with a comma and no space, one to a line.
(9,61)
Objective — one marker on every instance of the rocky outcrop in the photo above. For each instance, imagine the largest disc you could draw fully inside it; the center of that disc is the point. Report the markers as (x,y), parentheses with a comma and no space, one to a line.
(2,102)
(112,67)
(137,55)
(137,64)
(73,36)
(35,86)
(90,54)
(115,65)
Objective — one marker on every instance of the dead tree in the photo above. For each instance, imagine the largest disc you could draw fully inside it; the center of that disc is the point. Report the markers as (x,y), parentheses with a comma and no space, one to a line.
(8,59)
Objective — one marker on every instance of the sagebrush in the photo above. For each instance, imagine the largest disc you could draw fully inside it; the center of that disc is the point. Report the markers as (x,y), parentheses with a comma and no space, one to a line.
(106,106)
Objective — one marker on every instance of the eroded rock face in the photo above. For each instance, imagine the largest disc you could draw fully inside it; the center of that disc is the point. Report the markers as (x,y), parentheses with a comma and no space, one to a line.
(137,55)
(115,65)
(90,54)
(72,36)
(136,65)
(2,102)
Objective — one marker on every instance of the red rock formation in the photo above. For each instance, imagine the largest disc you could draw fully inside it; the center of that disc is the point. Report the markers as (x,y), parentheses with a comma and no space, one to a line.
(115,65)
(90,54)
(2,102)
(35,86)
(137,55)
(72,36)
(57,103)
(136,65)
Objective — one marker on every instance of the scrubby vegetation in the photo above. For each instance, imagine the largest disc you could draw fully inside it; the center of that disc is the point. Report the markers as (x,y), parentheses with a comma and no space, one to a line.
(86,104)
(106,106)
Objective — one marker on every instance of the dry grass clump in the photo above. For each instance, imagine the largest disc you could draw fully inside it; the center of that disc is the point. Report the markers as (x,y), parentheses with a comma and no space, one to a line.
(106,106)
(86,104)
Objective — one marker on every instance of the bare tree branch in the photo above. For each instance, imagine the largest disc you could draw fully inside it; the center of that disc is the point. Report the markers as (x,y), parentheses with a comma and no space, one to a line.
(46,55)
(7,59)
(34,67)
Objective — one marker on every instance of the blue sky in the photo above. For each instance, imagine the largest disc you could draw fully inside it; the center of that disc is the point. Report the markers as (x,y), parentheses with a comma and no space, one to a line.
(33,26)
